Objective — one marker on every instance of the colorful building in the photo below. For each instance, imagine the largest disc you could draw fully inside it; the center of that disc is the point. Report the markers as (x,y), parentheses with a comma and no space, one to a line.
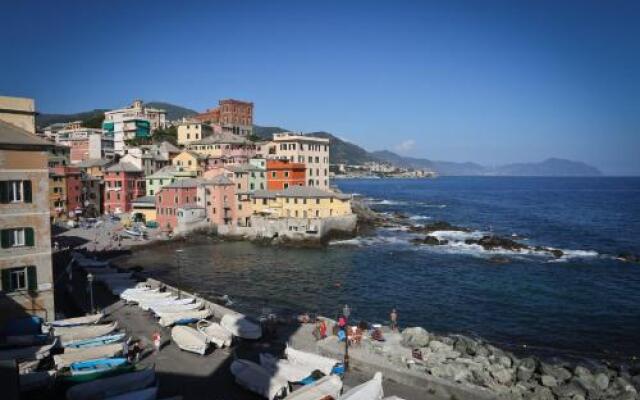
(193,131)
(26,284)
(233,116)
(66,194)
(94,167)
(144,209)
(166,176)
(173,197)
(312,151)
(282,174)
(219,198)
(18,111)
(225,148)
(123,183)
(301,202)
(191,161)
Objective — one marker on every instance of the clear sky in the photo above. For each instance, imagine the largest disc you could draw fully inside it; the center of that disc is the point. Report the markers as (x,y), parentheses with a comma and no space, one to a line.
(485,81)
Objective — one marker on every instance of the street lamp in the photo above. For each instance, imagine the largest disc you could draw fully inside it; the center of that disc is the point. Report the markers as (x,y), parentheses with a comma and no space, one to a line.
(90,280)
(346,311)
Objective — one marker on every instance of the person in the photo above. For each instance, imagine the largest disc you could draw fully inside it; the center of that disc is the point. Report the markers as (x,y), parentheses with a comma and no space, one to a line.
(157,340)
(394,319)
(323,329)
(342,322)
(316,331)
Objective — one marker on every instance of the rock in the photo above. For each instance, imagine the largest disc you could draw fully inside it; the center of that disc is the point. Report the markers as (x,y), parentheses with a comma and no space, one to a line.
(526,368)
(482,377)
(588,382)
(503,376)
(636,381)
(541,393)
(581,371)
(602,381)
(490,242)
(482,351)
(505,361)
(434,241)
(569,390)
(465,345)
(625,385)
(560,373)
(437,346)
(452,371)
(437,226)
(415,337)
(548,381)
(557,253)
(446,340)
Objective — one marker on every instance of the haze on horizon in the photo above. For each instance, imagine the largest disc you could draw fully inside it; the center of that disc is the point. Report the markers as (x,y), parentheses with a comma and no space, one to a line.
(491,82)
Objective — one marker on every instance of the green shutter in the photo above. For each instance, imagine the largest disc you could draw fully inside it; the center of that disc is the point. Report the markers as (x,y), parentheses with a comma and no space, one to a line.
(29,236)
(4,192)
(6,238)
(27,191)
(6,280)
(32,278)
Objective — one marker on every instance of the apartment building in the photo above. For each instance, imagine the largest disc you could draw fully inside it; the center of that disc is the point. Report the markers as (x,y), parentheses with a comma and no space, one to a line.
(193,131)
(19,111)
(282,174)
(26,284)
(232,116)
(298,148)
(123,184)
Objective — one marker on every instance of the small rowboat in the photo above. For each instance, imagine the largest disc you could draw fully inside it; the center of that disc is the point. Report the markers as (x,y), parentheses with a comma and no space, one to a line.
(255,378)
(327,387)
(113,386)
(189,339)
(370,390)
(73,355)
(184,317)
(98,341)
(215,333)
(169,308)
(90,370)
(72,333)
(86,320)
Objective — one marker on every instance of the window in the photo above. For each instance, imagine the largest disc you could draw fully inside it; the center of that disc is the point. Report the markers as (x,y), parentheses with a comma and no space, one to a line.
(317,213)
(286,185)
(317,201)
(286,174)
(273,174)
(21,278)
(15,191)
(150,192)
(17,237)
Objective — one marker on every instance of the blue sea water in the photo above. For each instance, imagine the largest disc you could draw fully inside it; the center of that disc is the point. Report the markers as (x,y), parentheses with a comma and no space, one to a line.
(585,304)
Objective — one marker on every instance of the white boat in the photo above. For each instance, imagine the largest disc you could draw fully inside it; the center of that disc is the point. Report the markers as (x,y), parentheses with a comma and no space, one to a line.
(215,333)
(72,355)
(86,320)
(113,386)
(328,387)
(255,378)
(284,368)
(241,326)
(168,308)
(189,339)
(145,296)
(311,360)
(168,301)
(168,319)
(28,353)
(370,390)
(144,394)
(71,333)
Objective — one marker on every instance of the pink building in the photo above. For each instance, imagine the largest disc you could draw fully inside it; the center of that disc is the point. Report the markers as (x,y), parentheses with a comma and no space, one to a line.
(123,183)
(219,198)
(170,198)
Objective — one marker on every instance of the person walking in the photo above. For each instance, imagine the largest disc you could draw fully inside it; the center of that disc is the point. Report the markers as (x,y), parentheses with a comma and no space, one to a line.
(157,340)
(394,319)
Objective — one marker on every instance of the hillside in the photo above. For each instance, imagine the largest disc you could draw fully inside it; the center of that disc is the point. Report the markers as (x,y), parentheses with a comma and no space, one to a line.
(548,167)
(174,112)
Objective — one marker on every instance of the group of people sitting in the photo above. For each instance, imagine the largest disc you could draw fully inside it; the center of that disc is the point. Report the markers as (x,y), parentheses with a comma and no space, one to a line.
(353,333)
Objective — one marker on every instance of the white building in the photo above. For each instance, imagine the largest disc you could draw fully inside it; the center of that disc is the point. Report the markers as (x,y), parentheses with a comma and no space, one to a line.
(134,122)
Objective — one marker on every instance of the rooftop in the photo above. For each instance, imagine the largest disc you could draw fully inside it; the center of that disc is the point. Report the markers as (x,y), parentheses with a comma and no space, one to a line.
(93,162)
(222,138)
(15,138)
(123,167)
(301,192)
(145,200)
(184,183)
(299,137)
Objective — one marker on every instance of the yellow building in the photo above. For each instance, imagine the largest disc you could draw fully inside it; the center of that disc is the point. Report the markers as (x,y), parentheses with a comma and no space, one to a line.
(19,111)
(189,132)
(190,161)
(144,208)
(301,202)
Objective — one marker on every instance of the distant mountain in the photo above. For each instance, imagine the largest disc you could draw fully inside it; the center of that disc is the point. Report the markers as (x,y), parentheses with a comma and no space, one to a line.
(548,167)
(95,117)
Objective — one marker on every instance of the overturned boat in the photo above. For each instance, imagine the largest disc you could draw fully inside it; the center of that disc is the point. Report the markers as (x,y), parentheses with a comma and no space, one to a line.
(215,333)
(73,355)
(113,386)
(241,326)
(183,317)
(257,379)
(310,360)
(189,339)
(72,333)
(370,390)
(86,320)
(328,387)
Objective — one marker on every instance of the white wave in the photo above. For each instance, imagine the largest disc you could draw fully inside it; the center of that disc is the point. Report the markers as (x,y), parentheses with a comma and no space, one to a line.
(456,236)
(383,202)
(370,241)
(433,205)
(579,253)
(419,217)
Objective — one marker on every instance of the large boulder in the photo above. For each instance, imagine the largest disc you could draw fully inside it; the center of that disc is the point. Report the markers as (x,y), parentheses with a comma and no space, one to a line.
(465,345)
(503,376)
(526,368)
(541,393)
(601,380)
(415,338)
(560,373)
(569,390)
(453,371)
(548,381)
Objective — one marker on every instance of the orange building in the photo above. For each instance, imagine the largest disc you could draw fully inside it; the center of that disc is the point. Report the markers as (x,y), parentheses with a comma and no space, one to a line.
(282,174)
(231,116)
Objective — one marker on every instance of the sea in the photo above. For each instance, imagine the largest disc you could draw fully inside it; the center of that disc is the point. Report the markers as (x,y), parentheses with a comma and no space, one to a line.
(584,305)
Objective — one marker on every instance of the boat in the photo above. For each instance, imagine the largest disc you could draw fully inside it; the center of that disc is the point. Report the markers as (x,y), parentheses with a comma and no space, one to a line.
(133,232)
(36,380)
(28,353)
(168,319)
(328,387)
(72,355)
(215,333)
(97,341)
(144,296)
(284,368)
(113,386)
(97,365)
(168,301)
(255,378)
(314,361)
(143,394)
(86,320)
(72,333)
(241,326)
(189,339)
(165,309)
(370,390)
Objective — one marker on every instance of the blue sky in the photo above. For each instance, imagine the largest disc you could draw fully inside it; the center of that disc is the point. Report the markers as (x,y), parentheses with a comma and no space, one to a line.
(485,81)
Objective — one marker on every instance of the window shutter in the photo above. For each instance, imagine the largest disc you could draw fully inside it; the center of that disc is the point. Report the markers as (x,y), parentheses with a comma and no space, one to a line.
(27,191)
(6,238)
(4,192)
(29,236)
(6,280)
(32,278)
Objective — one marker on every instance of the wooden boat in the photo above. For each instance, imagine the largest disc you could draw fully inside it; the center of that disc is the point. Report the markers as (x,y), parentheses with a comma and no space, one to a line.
(113,386)
(240,325)
(144,394)
(370,390)
(323,388)
(215,333)
(72,333)
(28,353)
(189,339)
(311,360)
(168,319)
(72,355)
(91,370)
(255,378)
(98,341)
(86,320)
